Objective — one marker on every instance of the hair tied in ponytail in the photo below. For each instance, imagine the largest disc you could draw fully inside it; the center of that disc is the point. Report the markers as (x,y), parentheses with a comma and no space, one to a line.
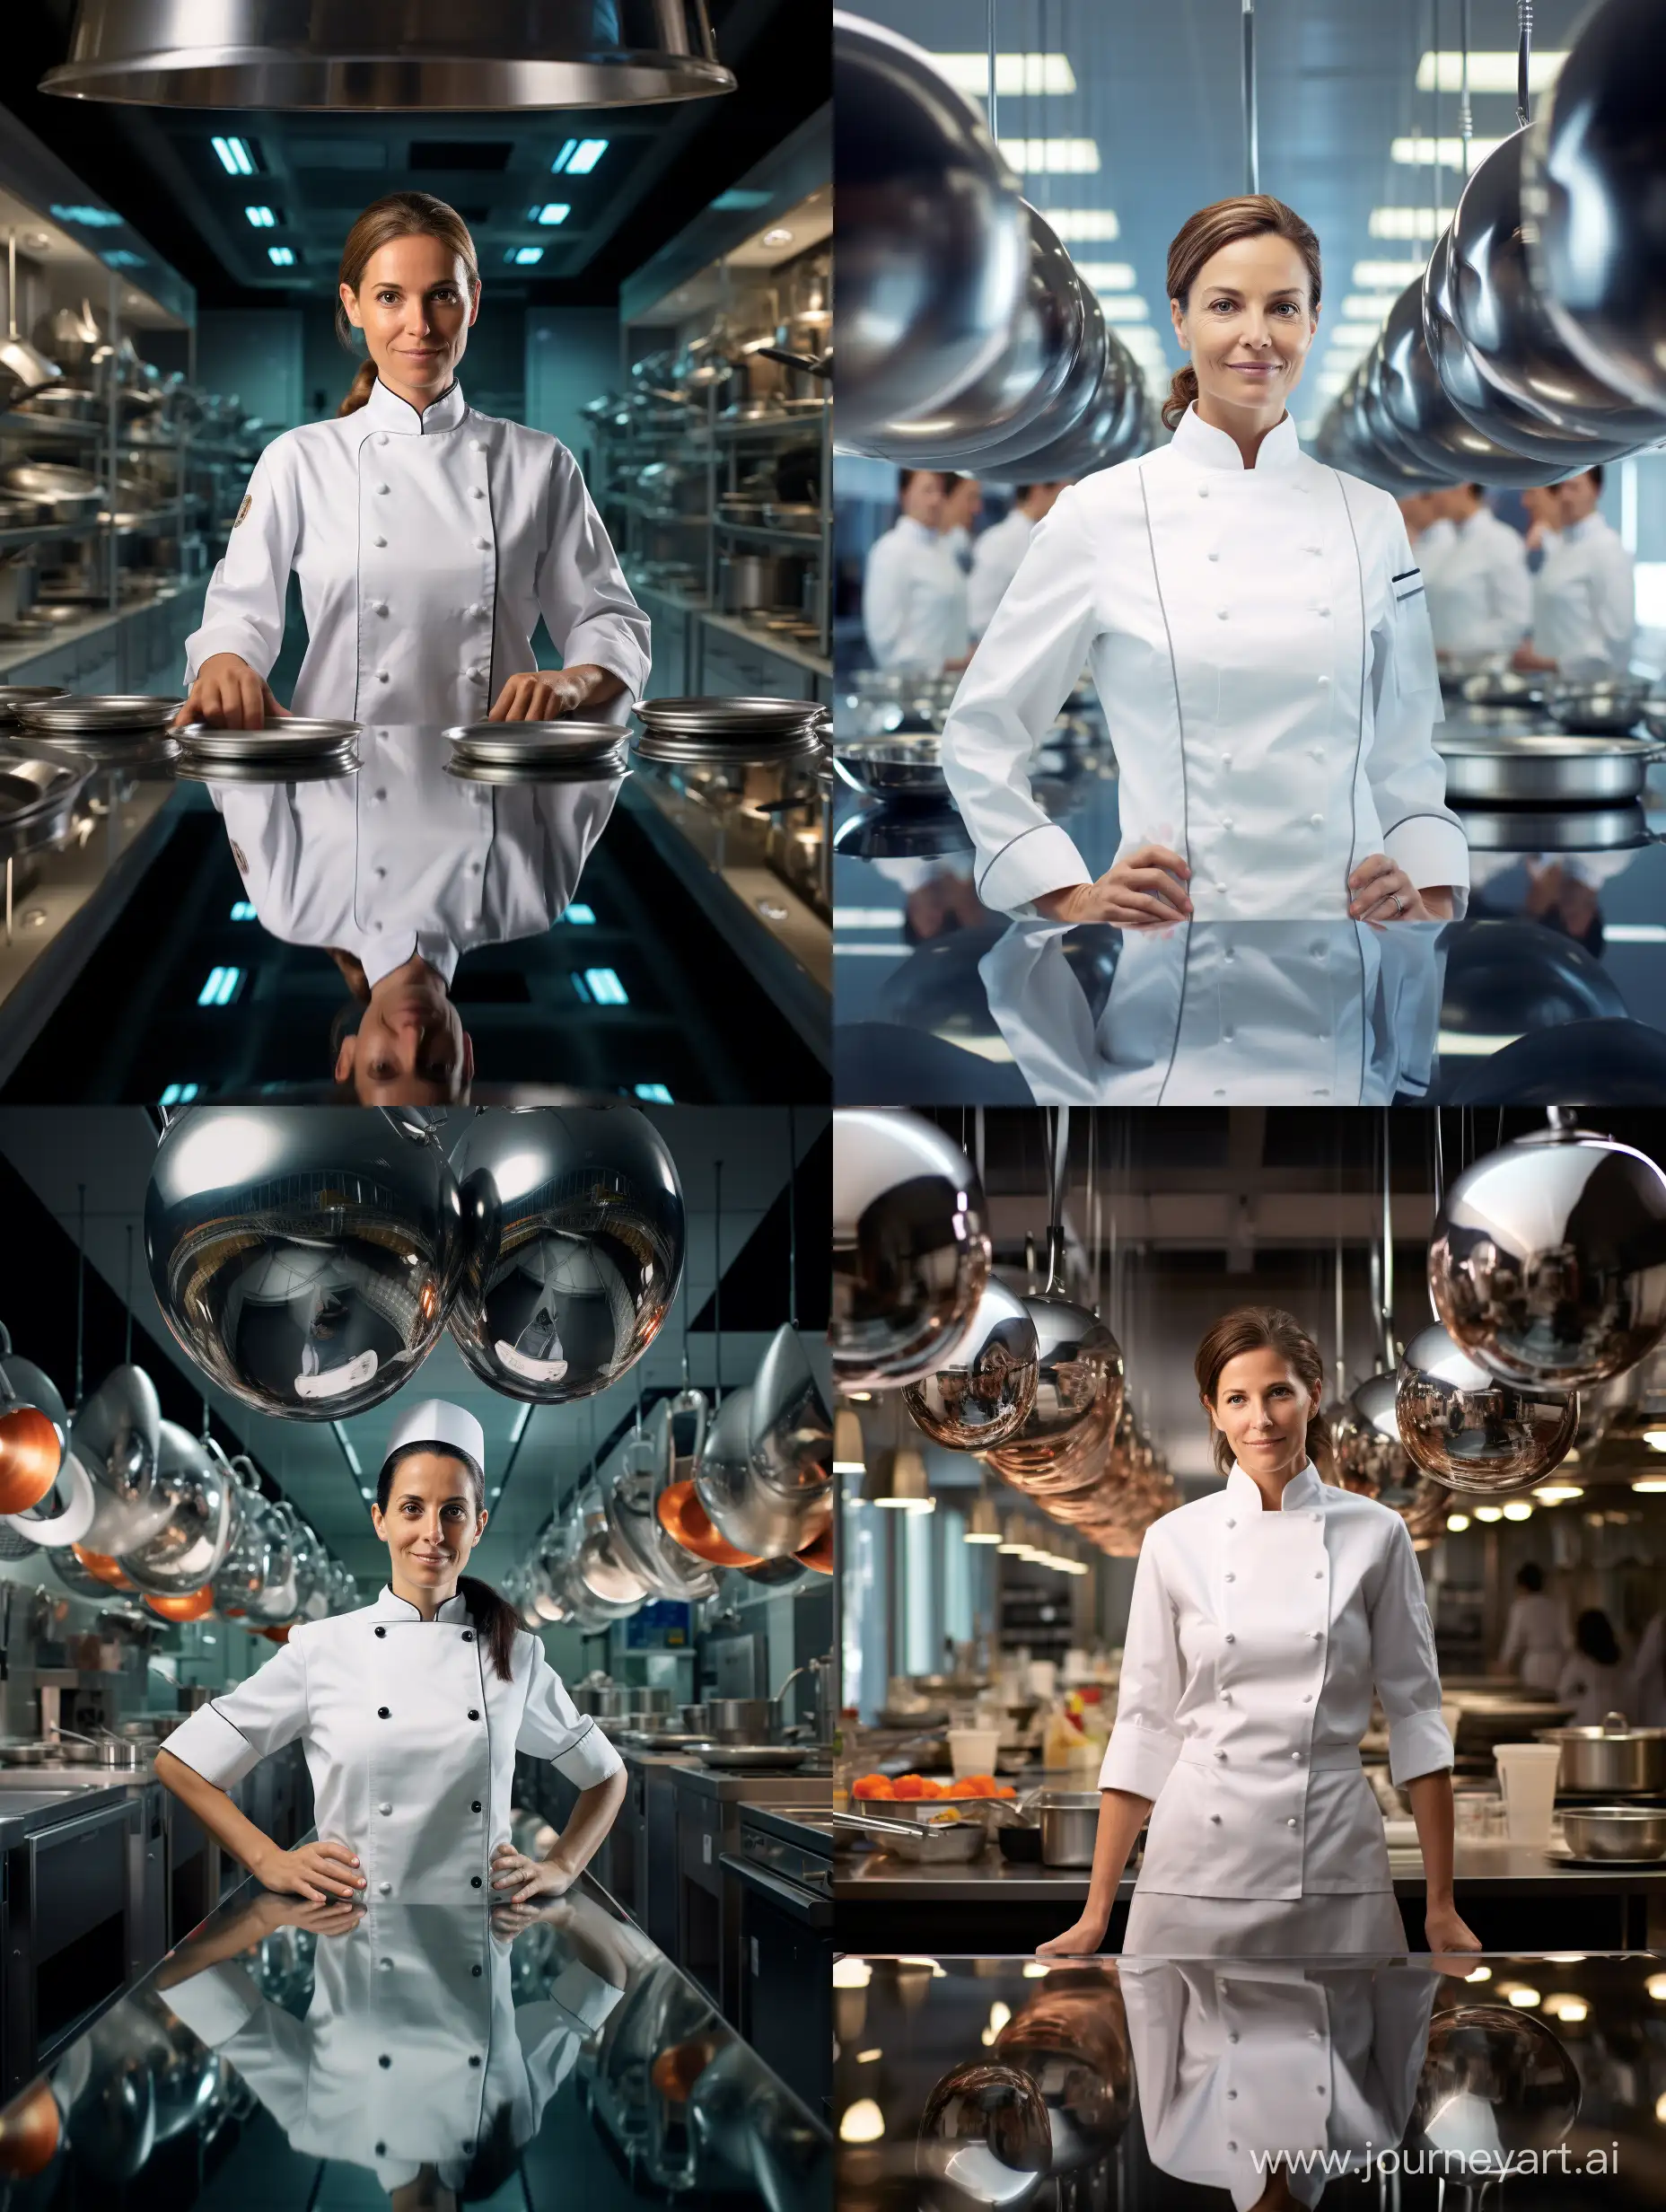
(400,215)
(359,391)
(496,1621)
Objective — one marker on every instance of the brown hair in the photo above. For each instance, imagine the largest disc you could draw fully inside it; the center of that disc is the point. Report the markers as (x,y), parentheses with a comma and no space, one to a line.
(1255,215)
(401,214)
(495,1619)
(1257,1329)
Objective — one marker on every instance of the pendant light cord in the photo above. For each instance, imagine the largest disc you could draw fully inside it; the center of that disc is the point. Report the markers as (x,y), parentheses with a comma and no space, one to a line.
(1252,149)
(1523,56)
(81,1294)
(792,1221)
(127,1347)
(717,1282)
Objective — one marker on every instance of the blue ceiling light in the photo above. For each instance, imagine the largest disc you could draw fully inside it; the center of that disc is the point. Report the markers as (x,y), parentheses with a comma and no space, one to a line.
(655,1094)
(551,211)
(242,910)
(85,218)
(564,157)
(235,157)
(262,218)
(281,257)
(117,257)
(179,1095)
(605,987)
(222,986)
(579,914)
(585,155)
(524,257)
(739,202)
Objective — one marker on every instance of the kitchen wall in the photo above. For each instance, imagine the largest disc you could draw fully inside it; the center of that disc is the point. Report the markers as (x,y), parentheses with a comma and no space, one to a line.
(571,354)
(256,353)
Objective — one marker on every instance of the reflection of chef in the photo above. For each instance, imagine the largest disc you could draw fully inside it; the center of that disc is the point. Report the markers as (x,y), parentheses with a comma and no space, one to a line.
(1246,2067)
(399,870)
(1282,1012)
(913,589)
(321,1297)
(413,2054)
(1480,596)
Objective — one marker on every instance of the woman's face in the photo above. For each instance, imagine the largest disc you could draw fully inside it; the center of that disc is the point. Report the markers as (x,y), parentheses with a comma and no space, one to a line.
(1247,325)
(430,1524)
(1262,1407)
(415,306)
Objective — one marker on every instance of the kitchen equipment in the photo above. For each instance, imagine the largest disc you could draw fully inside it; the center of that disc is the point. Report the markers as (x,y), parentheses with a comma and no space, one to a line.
(1636,1833)
(1609,1762)
(33,1423)
(973,1750)
(1561,830)
(23,366)
(1527,1776)
(1606,709)
(747,1511)
(115,1436)
(89,716)
(910,1251)
(984,1391)
(190,1547)
(294,735)
(1485,1720)
(903,773)
(722,718)
(747,580)
(756,1758)
(1542,768)
(686,1521)
(1501,687)
(739,1720)
(789,1431)
(950,1840)
(513,743)
(1475,1433)
(65,495)
(1069,1826)
(713,752)
(61,403)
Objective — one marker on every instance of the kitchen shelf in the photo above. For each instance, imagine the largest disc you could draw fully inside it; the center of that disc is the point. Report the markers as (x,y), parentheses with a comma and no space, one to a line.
(808,419)
(42,533)
(43,427)
(800,541)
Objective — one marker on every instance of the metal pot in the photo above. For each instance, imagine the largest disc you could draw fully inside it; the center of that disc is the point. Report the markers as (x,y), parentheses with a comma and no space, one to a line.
(738,1720)
(1615,1831)
(695,1719)
(1069,1826)
(752,1515)
(747,581)
(1564,830)
(1543,769)
(1611,1761)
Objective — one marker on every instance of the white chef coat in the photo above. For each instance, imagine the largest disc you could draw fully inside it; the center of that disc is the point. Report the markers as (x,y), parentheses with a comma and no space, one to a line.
(1584,601)
(410,1740)
(1259,645)
(1646,1685)
(1479,592)
(1254,1641)
(427,546)
(1308,1013)
(997,556)
(1593,1691)
(403,858)
(1432,543)
(958,541)
(1537,1638)
(426,1988)
(1237,2065)
(914,599)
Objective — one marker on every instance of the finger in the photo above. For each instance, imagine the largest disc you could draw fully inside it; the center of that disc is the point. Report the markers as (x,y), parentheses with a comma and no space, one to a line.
(1140,907)
(1153,883)
(338,1850)
(1159,855)
(1369,870)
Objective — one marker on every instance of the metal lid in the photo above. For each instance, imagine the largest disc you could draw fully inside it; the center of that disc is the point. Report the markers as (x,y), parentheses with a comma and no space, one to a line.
(1542,745)
(751,717)
(604,768)
(716,752)
(293,733)
(78,714)
(509,742)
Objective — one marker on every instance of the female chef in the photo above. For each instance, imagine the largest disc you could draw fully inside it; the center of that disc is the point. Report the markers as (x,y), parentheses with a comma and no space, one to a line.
(428,540)
(1262,1617)
(411,1711)
(1258,637)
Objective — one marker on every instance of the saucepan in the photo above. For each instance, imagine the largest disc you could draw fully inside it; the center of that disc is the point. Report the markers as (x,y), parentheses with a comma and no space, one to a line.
(1069,1826)
(1544,768)
(1606,709)
(1611,1761)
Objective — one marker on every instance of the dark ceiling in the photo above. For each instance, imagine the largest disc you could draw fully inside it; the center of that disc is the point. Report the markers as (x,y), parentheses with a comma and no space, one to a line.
(158,167)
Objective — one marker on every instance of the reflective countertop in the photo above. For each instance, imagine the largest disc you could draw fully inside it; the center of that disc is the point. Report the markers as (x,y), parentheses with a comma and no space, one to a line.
(939,1000)
(288,2054)
(1263,2082)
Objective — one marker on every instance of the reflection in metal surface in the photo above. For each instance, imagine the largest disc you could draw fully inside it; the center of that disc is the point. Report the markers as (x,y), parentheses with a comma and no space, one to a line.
(189,1548)
(1548,1259)
(1058,1452)
(305,1257)
(1494,2079)
(574,1232)
(1469,1430)
(116,1435)
(910,1251)
(984,1392)
(1072,2040)
(985,2139)
(1417,404)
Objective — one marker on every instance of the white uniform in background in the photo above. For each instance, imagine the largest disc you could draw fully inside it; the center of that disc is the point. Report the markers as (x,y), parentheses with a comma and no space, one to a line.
(1300,1013)
(1645,1687)
(995,558)
(1593,1690)
(1537,1639)
(1480,595)
(410,1740)
(958,541)
(1255,1641)
(914,599)
(427,545)
(412,2050)
(1271,2060)
(1584,601)
(1433,544)
(1261,651)
(403,858)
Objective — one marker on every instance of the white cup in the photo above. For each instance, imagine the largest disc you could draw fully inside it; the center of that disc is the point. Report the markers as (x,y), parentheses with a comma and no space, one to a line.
(1527,1776)
(971,1751)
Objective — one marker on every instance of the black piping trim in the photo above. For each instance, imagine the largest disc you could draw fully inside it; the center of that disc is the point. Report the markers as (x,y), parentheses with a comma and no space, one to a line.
(1365,640)
(1404,573)
(214,1706)
(1401,597)
(1008,847)
(1179,1015)
(1425,815)
(1365,1026)
(1150,542)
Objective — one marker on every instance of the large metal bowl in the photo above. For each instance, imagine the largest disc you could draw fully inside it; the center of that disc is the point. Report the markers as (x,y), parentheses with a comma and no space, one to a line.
(1615,1831)
(1543,768)
(1610,709)
(903,773)
(947,1842)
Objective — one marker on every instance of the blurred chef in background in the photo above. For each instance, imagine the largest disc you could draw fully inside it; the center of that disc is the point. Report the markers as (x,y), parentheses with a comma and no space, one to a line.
(1540,502)
(913,592)
(996,554)
(962,504)
(1480,596)
(1430,531)
(1537,1639)
(1583,597)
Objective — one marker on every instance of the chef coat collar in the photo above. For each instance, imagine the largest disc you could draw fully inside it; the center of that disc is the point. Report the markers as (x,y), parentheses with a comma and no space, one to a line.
(1209,448)
(391,1608)
(1302,1491)
(922,533)
(387,411)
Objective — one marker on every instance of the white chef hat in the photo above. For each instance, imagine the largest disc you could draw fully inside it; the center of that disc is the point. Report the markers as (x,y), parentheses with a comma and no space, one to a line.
(436,1421)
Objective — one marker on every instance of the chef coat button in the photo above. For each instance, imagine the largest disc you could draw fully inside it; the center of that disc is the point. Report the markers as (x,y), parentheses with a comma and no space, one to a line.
(1231,1522)
(1321,610)
(378,926)
(384,1809)
(475,1970)
(380,793)
(385,1966)
(468,1635)
(1225,820)
(1220,1754)
(1226,1697)
(1230,1575)
(1230,1638)
(381,1632)
(381,606)
(1202,491)
(474,2059)
(381,487)
(1290,1823)
(379,874)
(1220,1094)
(1231,2094)
(1316,548)
(1220,614)
(381,2150)
(382,1711)
(467,2143)
(381,437)
(474,1882)
(474,1712)
(1317,1634)
(477,445)
(1324,683)
(477,1805)
(385,1888)
(1214,556)
(478,492)
(481,544)
(385,2060)
(1295,1755)
(1317,751)
(1231,2146)
(1317,821)
(1318,1573)
(1215,1818)
(379,541)
(1220,886)
(382,675)
(1307,1697)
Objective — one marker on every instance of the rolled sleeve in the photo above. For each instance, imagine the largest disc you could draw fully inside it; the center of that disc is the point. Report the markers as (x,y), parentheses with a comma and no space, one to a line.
(1403,1667)
(1031,654)
(226,1739)
(1145,1741)
(552,1728)
(591,612)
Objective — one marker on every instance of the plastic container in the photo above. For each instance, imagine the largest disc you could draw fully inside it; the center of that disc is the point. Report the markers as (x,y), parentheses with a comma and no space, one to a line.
(972,1750)
(1527,1774)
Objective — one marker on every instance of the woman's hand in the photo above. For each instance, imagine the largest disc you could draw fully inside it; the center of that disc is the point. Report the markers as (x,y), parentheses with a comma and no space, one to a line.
(546,694)
(516,1878)
(316,1871)
(340,1916)
(1145,888)
(1446,1931)
(1380,892)
(1085,1937)
(228,695)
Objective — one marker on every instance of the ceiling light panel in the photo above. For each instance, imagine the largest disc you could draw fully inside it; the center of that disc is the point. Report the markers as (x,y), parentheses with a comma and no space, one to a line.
(1052,157)
(1422,153)
(1015,74)
(1098,225)
(1395,275)
(1491,70)
(1405,222)
(1107,275)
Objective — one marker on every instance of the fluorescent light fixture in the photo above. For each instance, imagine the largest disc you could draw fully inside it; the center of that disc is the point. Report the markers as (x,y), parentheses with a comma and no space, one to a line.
(585,155)
(1367,306)
(1404,222)
(242,910)
(1331,381)
(1655,1438)
(178,1094)
(524,257)
(518,1429)
(1052,157)
(119,257)
(1392,276)
(1107,275)
(739,202)
(367,1493)
(560,162)
(1083,225)
(1489,1512)
(262,218)
(281,257)
(1557,1493)
(347,1452)
(1649,1486)
(1456,1523)
(1360,334)
(605,987)
(235,157)
(221,988)
(85,218)
(1491,70)
(1018,75)
(1124,307)
(655,1094)
(550,213)
(581,916)
(1518,1509)
(1422,153)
